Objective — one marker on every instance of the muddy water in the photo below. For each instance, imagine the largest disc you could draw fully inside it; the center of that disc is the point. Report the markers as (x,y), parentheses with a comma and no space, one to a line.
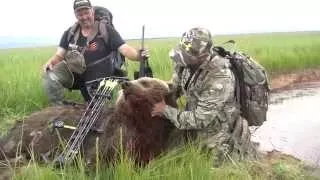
(293,124)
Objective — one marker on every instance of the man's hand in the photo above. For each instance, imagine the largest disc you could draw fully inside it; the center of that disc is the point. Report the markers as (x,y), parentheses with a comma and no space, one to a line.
(58,57)
(47,66)
(158,108)
(132,53)
(143,54)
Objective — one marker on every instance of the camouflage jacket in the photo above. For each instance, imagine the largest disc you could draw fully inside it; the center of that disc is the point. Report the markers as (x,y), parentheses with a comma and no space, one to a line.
(211,105)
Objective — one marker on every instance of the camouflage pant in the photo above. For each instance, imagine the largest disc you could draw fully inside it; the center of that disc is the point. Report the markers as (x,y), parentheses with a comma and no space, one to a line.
(234,145)
(55,90)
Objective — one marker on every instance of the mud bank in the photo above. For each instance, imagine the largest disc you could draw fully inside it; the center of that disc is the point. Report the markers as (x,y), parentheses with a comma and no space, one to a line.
(294,80)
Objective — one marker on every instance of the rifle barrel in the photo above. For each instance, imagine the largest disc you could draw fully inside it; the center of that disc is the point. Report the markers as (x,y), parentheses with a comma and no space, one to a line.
(142,72)
(142,38)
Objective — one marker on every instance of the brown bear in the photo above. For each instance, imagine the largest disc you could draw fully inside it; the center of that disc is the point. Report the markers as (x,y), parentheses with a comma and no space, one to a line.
(129,122)
(148,135)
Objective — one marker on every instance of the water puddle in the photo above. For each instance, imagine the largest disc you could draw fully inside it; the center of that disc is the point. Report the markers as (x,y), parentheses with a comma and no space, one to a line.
(293,124)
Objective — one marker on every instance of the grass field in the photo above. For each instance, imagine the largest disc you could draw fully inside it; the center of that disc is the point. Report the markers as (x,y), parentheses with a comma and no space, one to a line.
(22,93)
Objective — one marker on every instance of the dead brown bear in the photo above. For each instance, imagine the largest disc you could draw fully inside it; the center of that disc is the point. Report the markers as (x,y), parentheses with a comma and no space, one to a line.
(143,136)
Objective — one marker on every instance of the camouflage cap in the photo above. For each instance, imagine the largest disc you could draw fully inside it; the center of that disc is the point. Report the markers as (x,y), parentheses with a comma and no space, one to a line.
(79,4)
(196,41)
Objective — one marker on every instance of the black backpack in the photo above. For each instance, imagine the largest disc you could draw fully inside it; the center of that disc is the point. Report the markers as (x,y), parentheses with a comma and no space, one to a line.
(104,16)
(252,88)
(102,13)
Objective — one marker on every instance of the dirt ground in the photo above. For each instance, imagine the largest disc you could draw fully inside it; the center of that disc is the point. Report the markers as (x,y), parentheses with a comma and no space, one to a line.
(294,80)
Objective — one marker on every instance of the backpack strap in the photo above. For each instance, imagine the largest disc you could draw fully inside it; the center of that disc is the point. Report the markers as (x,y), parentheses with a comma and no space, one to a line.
(238,86)
(103,30)
(96,29)
(100,29)
(105,36)
(72,32)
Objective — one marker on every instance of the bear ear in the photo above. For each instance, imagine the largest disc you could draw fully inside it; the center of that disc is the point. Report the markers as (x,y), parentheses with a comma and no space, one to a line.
(170,85)
(170,98)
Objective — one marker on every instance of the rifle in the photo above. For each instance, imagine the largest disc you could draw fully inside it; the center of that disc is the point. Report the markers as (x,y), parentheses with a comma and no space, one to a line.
(144,70)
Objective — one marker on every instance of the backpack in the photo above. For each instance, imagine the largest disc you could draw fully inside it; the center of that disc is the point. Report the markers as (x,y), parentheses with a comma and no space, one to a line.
(104,17)
(252,85)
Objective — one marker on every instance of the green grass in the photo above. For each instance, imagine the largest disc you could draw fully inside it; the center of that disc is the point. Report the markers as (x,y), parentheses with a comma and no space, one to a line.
(21,93)
(21,86)
(188,162)
(280,52)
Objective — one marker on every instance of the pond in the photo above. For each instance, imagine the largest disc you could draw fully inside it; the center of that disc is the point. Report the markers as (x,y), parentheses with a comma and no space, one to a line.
(293,123)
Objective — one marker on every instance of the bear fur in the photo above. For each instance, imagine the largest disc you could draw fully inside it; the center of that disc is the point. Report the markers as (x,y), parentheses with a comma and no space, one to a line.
(143,137)
(148,135)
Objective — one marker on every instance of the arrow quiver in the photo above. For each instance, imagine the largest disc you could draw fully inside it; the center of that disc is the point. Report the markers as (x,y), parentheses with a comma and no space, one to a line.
(89,117)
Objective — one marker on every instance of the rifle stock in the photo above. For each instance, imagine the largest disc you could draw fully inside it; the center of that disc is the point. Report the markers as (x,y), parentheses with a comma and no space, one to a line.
(144,69)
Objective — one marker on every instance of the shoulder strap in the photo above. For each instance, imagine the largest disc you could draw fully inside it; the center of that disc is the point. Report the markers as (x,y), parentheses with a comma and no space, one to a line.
(103,30)
(95,31)
(100,28)
(72,31)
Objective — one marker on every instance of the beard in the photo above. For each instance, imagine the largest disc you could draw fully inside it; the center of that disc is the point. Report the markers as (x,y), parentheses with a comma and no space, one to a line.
(86,23)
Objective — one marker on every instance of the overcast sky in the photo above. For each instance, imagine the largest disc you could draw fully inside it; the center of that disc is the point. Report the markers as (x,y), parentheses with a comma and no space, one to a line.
(43,18)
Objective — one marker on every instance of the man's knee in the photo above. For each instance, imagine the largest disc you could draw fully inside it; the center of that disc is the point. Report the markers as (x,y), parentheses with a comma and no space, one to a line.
(53,88)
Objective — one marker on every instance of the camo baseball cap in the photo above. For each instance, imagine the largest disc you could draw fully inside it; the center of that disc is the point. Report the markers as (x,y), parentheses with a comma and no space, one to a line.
(79,4)
(196,42)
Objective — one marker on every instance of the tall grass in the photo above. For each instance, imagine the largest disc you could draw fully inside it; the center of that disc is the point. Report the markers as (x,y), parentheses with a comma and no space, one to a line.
(20,74)
(280,52)
(21,93)
(188,162)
